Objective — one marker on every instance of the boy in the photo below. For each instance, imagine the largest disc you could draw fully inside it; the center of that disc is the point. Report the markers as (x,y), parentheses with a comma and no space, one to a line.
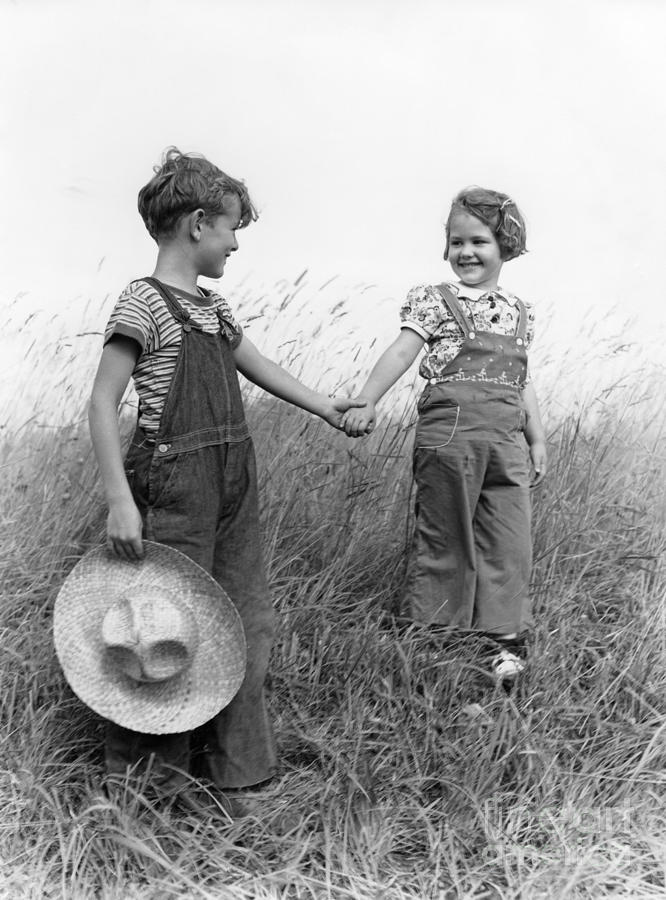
(189,480)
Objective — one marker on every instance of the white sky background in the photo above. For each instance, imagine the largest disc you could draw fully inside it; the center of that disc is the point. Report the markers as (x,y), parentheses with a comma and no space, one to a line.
(353,123)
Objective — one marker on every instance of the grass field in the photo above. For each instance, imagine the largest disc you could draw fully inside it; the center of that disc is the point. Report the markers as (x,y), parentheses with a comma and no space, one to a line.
(406,773)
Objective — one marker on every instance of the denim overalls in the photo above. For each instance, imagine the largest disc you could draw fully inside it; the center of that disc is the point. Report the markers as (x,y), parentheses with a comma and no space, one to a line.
(472,551)
(196,488)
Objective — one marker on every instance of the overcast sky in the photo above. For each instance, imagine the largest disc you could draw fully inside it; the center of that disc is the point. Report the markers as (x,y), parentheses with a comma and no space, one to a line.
(353,123)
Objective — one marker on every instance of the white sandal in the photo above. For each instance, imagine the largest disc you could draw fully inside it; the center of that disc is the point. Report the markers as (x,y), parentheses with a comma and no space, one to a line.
(507,665)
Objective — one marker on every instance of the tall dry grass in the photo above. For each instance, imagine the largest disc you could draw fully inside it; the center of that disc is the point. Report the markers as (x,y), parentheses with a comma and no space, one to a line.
(405,772)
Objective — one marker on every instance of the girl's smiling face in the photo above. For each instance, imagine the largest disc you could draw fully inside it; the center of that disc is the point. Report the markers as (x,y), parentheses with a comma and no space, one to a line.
(473,252)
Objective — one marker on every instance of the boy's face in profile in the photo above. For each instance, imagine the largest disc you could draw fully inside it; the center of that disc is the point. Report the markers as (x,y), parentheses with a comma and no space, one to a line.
(218,240)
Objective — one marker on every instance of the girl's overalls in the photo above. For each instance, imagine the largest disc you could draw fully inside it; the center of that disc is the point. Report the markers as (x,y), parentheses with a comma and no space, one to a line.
(196,488)
(472,551)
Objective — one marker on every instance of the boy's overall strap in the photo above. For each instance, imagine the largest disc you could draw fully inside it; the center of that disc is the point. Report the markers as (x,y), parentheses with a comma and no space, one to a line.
(180,315)
(451,302)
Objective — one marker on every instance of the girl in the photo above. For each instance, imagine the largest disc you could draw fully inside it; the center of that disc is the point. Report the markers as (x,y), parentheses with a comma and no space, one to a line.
(471,555)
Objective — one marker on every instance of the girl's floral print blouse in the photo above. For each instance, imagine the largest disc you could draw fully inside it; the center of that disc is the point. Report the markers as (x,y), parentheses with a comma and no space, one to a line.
(425,312)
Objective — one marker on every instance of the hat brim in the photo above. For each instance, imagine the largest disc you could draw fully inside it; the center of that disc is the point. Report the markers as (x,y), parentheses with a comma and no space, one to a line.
(179,704)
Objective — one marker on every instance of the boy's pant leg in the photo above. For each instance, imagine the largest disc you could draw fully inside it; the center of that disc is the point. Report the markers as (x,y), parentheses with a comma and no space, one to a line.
(164,758)
(167,756)
(204,503)
(209,511)
(239,745)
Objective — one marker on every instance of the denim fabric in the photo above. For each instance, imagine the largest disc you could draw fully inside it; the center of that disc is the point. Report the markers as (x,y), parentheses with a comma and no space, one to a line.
(199,495)
(204,404)
(472,551)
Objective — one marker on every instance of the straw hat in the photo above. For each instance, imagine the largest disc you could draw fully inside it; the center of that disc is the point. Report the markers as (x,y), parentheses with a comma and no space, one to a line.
(154,645)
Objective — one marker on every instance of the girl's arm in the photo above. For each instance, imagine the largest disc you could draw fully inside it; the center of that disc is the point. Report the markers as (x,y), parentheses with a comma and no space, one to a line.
(277,381)
(534,434)
(124,526)
(393,363)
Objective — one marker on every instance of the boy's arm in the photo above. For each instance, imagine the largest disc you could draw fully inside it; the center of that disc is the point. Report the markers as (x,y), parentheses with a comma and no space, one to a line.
(124,526)
(277,381)
(534,434)
(393,363)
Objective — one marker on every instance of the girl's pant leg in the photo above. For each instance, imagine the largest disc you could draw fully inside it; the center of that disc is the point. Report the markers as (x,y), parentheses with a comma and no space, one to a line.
(503,542)
(442,574)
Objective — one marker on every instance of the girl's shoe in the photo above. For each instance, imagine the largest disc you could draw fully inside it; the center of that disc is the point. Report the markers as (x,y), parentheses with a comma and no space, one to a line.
(508,660)
(507,665)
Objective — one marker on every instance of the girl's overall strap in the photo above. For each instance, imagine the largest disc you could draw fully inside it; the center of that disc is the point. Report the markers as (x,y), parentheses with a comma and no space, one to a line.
(451,301)
(521,327)
(180,315)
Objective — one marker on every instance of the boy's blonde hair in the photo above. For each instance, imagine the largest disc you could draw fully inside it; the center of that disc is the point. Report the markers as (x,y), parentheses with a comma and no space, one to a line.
(498,212)
(185,182)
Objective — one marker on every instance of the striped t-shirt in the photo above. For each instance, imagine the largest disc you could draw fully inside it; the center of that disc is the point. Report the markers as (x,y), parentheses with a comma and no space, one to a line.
(142,314)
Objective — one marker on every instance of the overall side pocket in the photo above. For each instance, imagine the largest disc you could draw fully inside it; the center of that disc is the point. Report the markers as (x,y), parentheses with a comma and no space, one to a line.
(437,426)
(137,465)
(164,478)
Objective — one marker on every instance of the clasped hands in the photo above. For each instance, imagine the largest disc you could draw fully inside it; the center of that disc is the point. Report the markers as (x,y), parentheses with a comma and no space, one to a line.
(360,418)
(354,415)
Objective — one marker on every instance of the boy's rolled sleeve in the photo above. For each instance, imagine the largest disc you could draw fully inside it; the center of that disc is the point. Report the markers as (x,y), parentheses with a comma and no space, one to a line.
(133,317)
(126,330)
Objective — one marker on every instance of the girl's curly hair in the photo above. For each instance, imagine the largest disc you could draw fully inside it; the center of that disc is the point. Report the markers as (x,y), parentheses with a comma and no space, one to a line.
(185,182)
(498,212)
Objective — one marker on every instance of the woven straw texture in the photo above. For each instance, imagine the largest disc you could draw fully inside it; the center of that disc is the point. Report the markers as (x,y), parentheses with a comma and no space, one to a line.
(179,704)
